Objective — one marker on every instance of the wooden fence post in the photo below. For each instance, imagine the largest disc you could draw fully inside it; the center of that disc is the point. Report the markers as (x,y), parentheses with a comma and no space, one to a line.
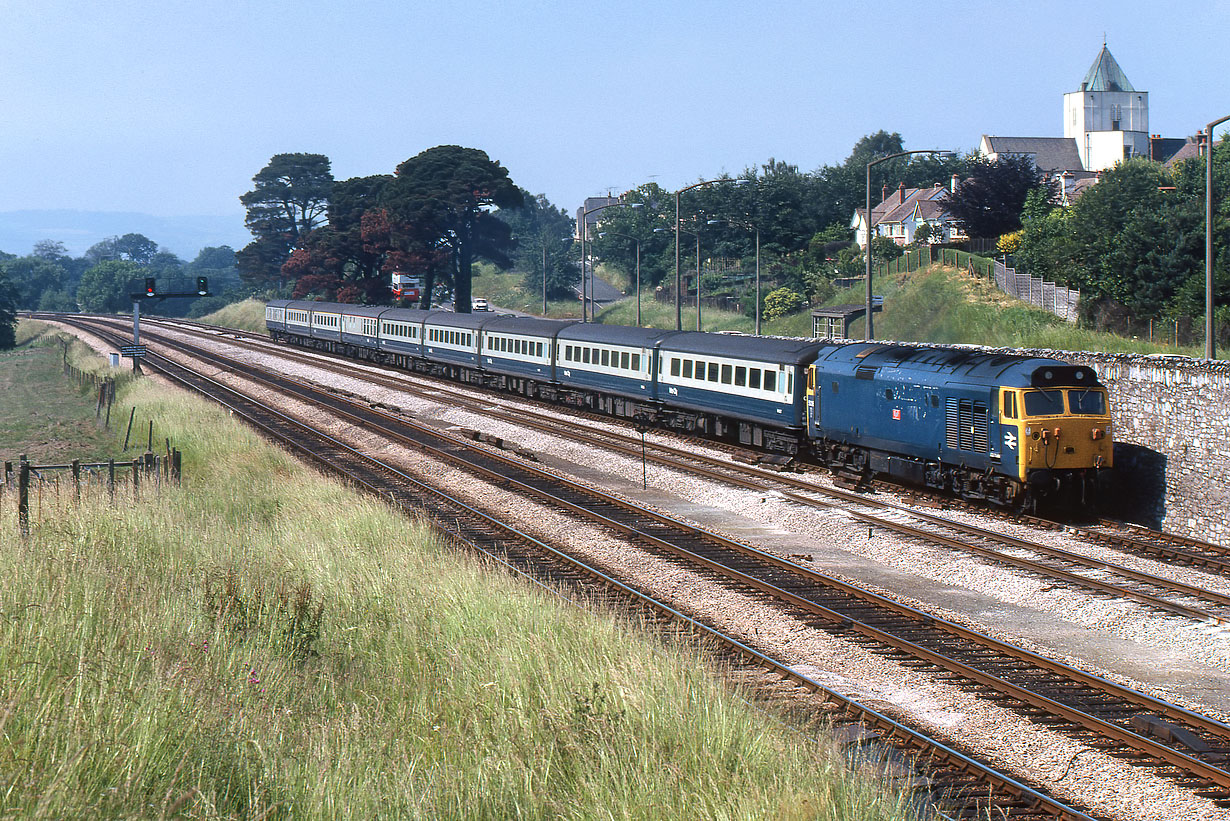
(111,478)
(23,498)
(129,431)
(77,480)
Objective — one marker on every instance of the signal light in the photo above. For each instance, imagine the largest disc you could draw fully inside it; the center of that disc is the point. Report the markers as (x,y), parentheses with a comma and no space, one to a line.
(150,289)
(202,285)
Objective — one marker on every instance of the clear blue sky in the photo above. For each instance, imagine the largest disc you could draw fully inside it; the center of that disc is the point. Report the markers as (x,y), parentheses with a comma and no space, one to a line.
(169,107)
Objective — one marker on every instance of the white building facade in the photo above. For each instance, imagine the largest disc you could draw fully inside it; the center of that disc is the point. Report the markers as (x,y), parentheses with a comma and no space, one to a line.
(1107,117)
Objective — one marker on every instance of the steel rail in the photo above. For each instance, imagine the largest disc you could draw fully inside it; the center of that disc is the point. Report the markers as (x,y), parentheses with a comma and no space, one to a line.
(1016,789)
(1174,757)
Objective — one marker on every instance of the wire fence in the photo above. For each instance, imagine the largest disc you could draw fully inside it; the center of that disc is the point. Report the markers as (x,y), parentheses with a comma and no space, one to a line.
(54,485)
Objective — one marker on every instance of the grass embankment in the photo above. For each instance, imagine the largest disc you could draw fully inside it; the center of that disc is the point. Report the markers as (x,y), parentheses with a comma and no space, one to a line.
(261,642)
(936,304)
(41,409)
(248,315)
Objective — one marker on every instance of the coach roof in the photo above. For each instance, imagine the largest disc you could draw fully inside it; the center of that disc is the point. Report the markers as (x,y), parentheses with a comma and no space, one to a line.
(760,348)
(614,334)
(526,325)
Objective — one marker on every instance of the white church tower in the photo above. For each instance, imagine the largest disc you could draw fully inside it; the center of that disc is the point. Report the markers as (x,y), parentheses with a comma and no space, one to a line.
(1107,117)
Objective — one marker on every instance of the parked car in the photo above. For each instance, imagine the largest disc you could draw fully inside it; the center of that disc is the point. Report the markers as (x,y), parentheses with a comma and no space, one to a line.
(479,305)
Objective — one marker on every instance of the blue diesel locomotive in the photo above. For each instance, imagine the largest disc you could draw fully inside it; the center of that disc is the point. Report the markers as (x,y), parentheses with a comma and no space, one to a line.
(1009,429)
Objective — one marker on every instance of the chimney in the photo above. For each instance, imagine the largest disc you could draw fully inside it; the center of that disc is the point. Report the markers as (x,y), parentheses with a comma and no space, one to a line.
(952,184)
(900,192)
(884,192)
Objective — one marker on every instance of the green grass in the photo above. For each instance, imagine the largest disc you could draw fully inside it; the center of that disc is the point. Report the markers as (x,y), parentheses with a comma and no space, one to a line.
(503,289)
(248,315)
(262,643)
(44,415)
(941,304)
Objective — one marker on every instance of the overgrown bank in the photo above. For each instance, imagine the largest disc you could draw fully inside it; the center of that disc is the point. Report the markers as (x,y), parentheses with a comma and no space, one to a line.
(262,643)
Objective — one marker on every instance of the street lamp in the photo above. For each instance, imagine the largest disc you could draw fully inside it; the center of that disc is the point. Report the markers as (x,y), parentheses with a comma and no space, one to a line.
(1209,343)
(678,315)
(749,227)
(868,332)
(638,268)
(583,230)
(678,304)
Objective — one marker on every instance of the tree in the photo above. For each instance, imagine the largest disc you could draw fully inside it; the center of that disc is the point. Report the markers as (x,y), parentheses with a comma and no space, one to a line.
(444,197)
(50,250)
(29,277)
(988,202)
(542,231)
(288,199)
(782,301)
(8,313)
(106,287)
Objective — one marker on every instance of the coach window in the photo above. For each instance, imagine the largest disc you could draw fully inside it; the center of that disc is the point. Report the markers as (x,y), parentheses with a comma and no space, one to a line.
(624,360)
(713,371)
(606,357)
(675,367)
(770,380)
(740,376)
(687,369)
(753,378)
(636,362)
(585,355)
(727,370)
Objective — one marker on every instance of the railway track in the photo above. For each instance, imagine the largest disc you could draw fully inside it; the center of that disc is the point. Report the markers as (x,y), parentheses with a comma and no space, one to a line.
(1185,745)
(965,787)
(1093,575)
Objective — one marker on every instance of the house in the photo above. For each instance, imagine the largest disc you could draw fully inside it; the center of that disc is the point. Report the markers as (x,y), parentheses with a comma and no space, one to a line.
(900,215)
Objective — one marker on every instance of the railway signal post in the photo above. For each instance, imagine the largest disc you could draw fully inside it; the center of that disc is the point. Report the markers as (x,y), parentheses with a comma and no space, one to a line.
(136,351)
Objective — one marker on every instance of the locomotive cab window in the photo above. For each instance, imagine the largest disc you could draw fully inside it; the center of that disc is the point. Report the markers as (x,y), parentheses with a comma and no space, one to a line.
(1044,403)
(1088,402)
(1010,405)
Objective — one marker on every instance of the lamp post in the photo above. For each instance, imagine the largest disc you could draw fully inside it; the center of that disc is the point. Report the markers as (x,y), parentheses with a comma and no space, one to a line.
(868,331)
(678,314)
(583,230)
(638,268)
(1210,347)
(678,304)
(749,227)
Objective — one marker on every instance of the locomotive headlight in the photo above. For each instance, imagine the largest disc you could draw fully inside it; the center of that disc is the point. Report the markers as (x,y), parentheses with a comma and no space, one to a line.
(1028,430)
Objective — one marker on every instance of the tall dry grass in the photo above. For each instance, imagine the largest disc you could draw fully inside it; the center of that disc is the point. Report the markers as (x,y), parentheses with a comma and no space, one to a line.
(262,643)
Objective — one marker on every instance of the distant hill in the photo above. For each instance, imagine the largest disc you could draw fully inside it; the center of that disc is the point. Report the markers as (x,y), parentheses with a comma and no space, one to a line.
(78,230)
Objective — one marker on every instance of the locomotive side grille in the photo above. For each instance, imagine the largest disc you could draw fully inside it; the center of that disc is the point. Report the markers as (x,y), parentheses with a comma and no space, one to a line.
(980,428)
(864,372)
(967,425)
(953,424)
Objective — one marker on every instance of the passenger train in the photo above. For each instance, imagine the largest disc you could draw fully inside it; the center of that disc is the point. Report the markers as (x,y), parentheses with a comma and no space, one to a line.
(1011,430)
